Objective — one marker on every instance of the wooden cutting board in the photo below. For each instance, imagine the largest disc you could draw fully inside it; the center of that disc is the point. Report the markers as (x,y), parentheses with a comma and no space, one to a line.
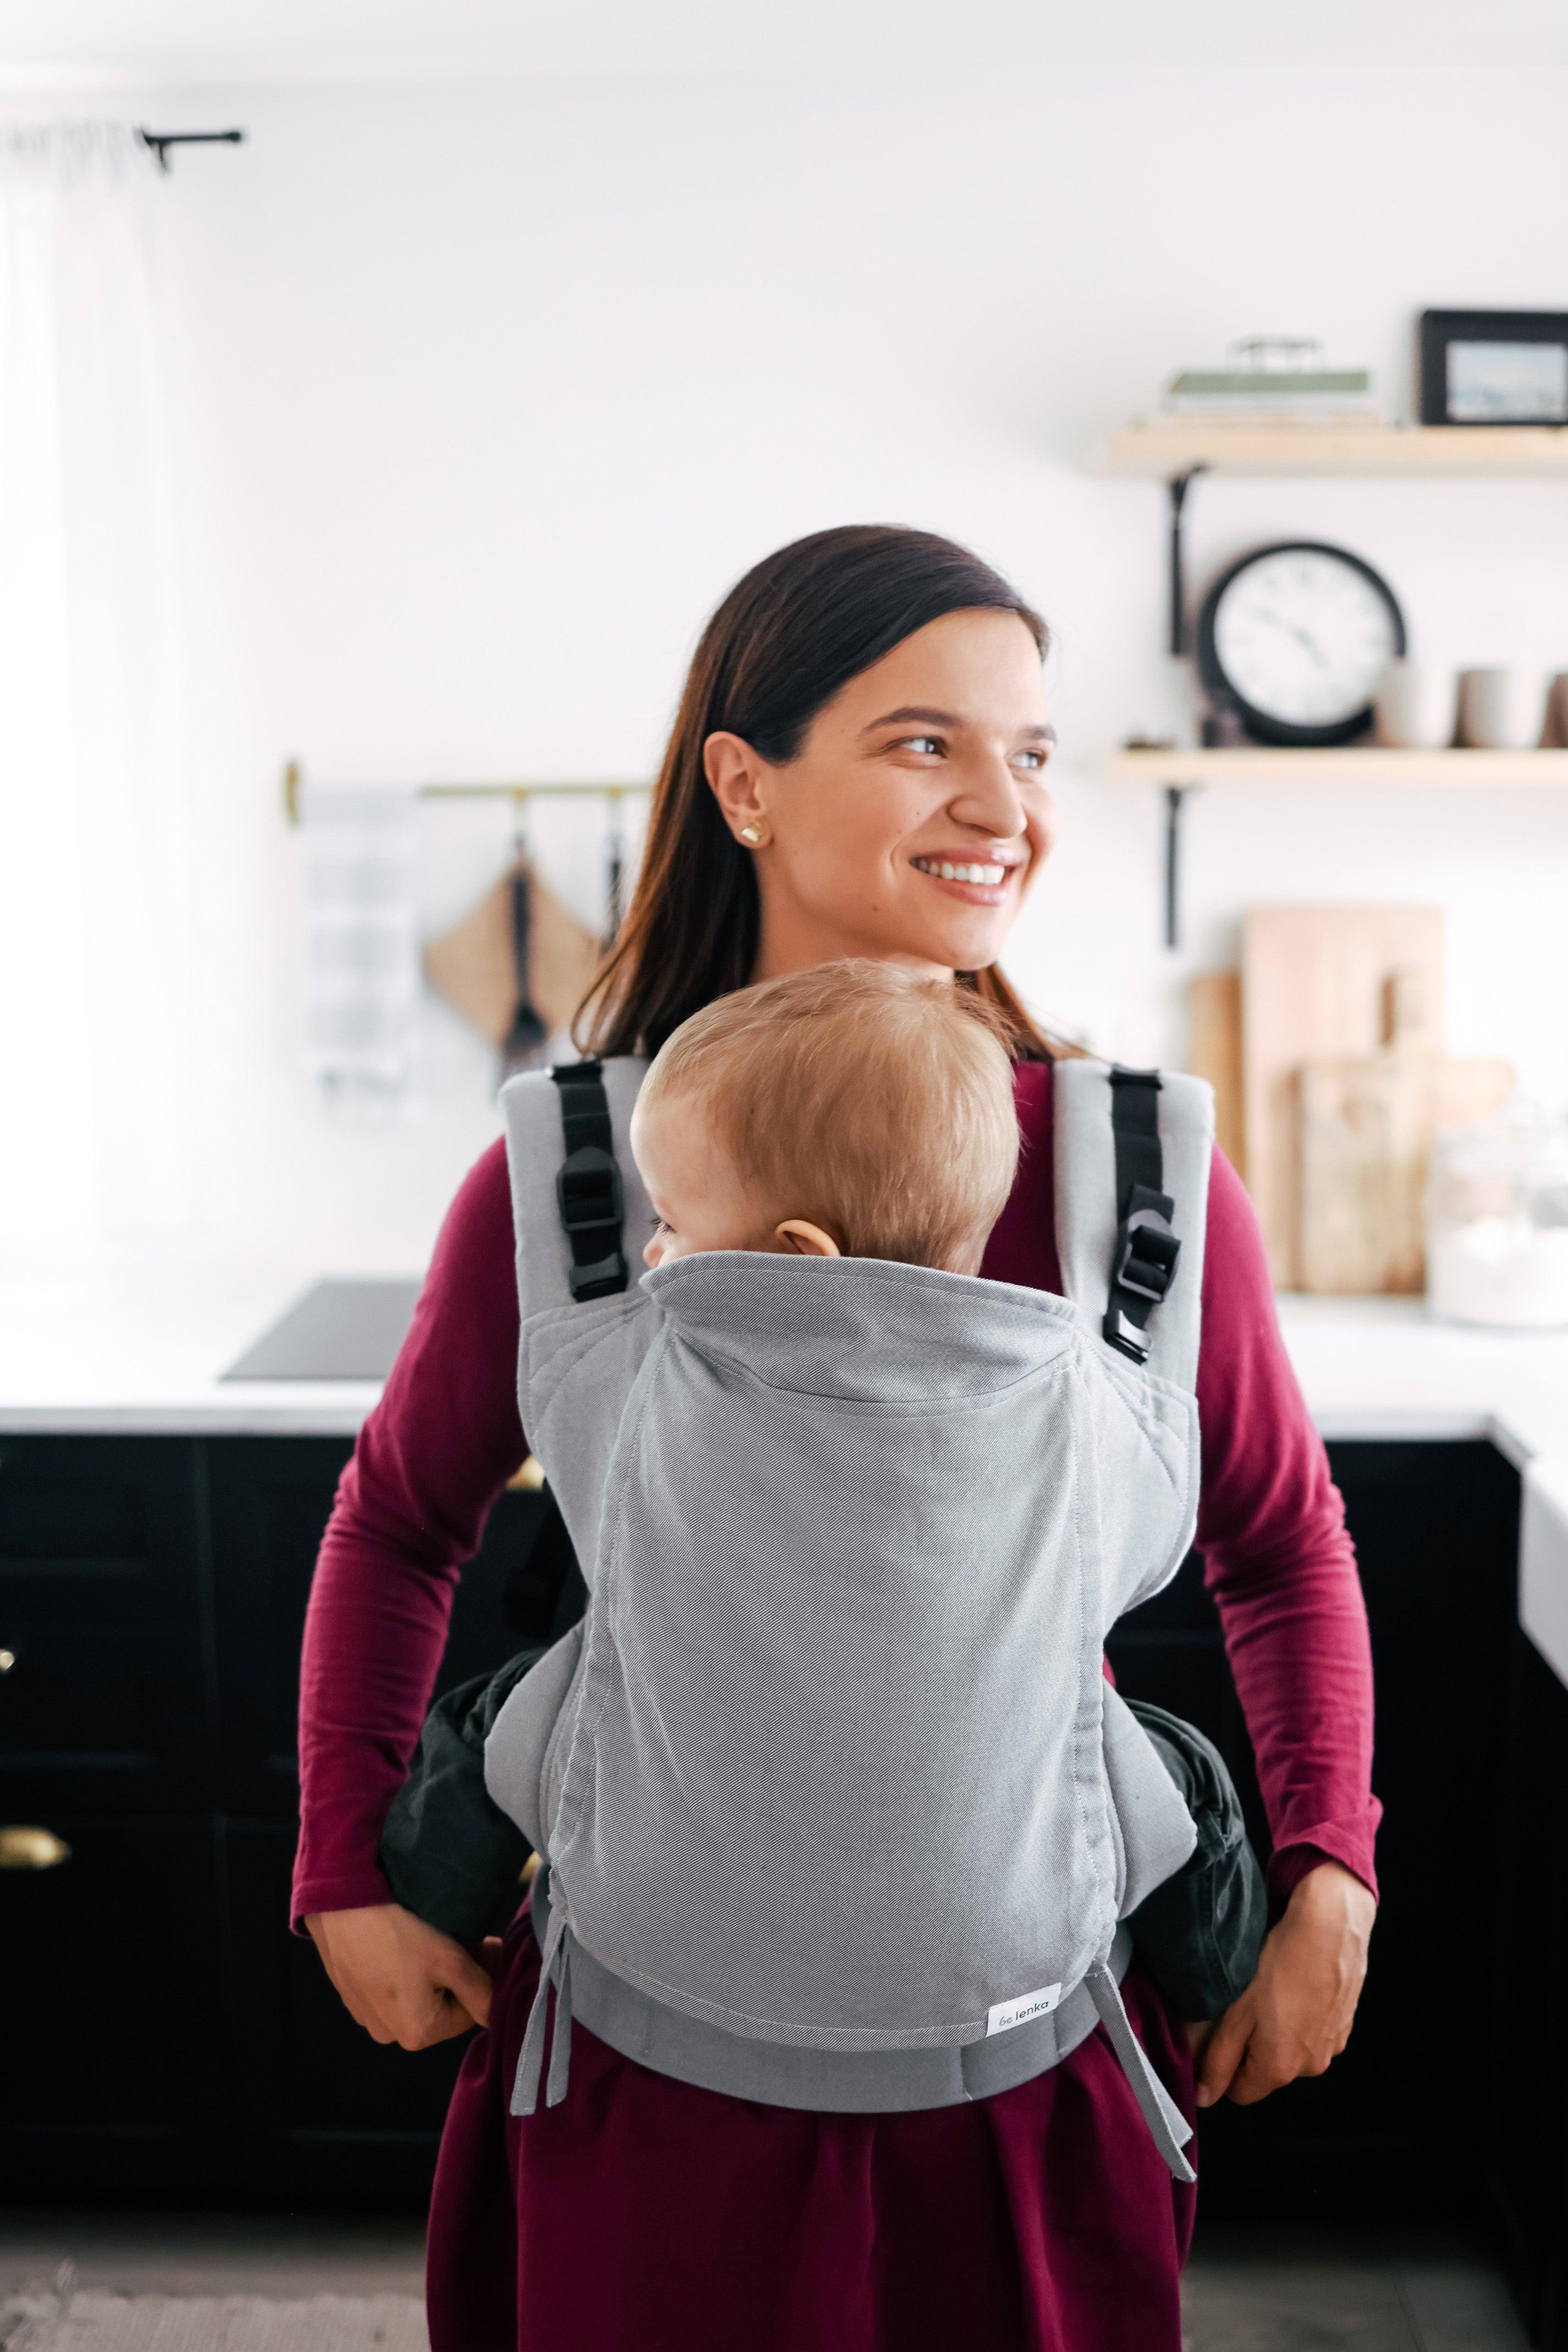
(1214,1052)
(1367,1122)
(1314,987)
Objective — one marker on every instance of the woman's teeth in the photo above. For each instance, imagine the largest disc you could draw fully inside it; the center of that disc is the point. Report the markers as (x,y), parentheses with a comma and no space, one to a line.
(989,875)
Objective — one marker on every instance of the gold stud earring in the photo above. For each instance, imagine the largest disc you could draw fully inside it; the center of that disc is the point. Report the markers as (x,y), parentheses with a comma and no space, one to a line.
(753,833)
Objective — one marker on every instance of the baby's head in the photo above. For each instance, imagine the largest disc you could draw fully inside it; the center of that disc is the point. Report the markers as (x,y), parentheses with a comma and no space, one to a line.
(857,1109)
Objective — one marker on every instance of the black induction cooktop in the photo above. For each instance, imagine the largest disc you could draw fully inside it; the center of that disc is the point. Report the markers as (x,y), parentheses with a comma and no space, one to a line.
(339,1330)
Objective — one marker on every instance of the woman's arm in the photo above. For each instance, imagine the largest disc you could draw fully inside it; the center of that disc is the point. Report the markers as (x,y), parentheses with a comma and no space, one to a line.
(1282,1568)
(411,1508)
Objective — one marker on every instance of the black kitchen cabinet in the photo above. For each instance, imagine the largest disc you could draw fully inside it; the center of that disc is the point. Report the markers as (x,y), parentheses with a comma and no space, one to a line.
(180,2042)
(1527,2139)
(176,2039)
(1395,2131)
(113,1975)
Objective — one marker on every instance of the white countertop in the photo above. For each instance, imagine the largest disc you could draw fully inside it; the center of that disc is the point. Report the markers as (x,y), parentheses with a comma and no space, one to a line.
(1382,1368)
(141,1348)
(138,1349)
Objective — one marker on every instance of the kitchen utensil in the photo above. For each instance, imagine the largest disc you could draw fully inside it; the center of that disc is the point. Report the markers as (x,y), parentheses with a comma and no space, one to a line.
(527,1034)
(474,965)
(1312,986)
(1214,1052)
(1497,1223)
(1368,1127)
(1418,706)
(1503,710)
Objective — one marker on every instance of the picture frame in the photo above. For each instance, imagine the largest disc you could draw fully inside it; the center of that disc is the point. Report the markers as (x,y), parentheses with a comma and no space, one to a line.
(1490,368)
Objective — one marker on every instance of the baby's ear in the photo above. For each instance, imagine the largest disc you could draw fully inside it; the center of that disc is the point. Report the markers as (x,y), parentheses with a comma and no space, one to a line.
(799,1239)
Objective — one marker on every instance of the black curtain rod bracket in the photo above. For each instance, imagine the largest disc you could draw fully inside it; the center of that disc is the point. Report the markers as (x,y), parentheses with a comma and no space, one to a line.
(162,140)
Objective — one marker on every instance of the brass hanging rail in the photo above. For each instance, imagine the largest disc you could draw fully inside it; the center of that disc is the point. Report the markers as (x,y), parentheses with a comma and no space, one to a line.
(159,141)
(518,794)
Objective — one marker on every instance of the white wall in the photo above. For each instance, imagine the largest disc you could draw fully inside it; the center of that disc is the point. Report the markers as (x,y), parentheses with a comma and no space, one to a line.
(489,394)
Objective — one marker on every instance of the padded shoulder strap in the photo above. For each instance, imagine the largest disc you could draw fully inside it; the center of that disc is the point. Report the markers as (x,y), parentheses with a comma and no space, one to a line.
(542,1131)
(1132,1160)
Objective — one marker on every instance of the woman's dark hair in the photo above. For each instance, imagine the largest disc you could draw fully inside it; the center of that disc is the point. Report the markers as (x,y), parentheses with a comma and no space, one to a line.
(798,627)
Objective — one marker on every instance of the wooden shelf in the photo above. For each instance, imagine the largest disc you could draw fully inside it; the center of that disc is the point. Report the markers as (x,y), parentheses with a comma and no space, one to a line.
(1178,446)
(1368,765)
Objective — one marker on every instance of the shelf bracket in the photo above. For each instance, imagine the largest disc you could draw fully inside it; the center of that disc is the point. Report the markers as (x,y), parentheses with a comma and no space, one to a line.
(1176,489)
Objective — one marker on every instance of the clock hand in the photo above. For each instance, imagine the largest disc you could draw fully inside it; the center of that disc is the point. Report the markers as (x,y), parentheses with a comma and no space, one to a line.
(1293,629)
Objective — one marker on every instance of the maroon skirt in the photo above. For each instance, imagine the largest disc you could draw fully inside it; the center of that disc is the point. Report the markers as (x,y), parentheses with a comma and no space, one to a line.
(642,2214)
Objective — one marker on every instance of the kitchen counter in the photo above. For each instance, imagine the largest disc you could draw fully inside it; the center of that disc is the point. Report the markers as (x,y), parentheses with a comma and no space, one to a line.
(139,1350)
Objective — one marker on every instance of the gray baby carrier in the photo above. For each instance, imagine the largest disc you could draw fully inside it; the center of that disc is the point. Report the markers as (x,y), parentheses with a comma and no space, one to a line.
(835,1805)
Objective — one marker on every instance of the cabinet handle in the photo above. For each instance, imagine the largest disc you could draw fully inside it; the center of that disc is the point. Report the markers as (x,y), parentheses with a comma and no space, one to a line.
(32,1849)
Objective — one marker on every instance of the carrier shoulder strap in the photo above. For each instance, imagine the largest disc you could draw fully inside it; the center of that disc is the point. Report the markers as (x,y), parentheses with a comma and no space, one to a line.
(588,1188)
(1146,1249)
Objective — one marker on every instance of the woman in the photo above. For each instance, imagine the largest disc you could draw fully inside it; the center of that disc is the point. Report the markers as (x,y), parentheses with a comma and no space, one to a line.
(857,769)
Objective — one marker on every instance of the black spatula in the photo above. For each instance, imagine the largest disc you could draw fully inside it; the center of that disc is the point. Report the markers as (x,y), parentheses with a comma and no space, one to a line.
(523,1047)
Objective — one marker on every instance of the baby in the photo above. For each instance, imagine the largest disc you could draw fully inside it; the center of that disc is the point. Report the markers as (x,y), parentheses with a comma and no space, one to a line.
(857,1110)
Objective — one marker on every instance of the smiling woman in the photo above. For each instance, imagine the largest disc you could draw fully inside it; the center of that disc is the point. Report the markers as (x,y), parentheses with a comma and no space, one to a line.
(857,768)
(856,772)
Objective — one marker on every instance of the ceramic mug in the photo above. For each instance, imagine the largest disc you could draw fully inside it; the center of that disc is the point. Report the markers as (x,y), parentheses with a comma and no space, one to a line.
(1503,710)
(1418,703)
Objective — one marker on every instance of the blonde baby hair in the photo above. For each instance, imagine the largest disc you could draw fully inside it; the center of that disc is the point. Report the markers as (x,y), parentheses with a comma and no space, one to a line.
(874,1100)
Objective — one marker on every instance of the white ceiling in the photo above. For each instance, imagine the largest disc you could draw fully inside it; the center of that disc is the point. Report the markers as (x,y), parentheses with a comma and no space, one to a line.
(1018,43)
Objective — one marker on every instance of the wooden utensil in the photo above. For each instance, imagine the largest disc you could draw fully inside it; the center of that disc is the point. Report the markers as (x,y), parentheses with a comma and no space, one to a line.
(1367,1122)
(474,965)
(1313,988)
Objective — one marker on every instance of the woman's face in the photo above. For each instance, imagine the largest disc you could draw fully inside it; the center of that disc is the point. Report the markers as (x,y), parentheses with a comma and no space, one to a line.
(915,816)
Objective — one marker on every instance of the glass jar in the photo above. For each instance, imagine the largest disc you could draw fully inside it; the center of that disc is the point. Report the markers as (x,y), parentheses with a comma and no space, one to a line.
(1497,1222)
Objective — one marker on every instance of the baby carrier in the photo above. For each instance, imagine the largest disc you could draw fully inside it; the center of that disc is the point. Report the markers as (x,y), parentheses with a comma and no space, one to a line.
(835,1805)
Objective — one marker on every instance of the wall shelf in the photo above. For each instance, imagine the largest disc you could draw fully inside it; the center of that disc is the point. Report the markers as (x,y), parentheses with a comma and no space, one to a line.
(1190,445)
(1363,765)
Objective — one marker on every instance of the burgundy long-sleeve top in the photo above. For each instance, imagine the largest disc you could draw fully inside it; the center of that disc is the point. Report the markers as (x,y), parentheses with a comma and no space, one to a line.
(444,1438)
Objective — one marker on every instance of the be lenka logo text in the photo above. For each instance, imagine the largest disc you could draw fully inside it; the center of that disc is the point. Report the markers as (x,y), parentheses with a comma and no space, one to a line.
(1007,2013)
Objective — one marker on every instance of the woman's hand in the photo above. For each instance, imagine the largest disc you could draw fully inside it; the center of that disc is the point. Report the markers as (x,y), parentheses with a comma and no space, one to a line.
(401,1980)
(1297,2012)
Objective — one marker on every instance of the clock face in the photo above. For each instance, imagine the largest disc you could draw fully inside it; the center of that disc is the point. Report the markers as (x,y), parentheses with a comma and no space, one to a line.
(1298,637)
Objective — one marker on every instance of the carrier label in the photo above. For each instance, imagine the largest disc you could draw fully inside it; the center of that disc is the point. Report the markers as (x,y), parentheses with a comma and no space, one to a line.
(1007,2013)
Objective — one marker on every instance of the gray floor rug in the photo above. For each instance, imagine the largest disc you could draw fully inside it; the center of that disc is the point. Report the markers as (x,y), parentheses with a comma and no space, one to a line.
(81,2320)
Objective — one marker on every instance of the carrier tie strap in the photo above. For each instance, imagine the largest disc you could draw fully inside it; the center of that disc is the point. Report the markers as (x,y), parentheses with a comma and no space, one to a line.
(1167,2126)
(1144,1257)
(556,1970)
(588,1188)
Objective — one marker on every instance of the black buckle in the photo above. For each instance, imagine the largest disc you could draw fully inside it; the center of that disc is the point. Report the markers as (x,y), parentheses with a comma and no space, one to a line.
(1146,1253)
(600,1280)
(587,1190)
(1143,1268)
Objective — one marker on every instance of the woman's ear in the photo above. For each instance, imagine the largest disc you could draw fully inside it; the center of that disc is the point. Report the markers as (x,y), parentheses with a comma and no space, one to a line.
(730,765)
(799,1239)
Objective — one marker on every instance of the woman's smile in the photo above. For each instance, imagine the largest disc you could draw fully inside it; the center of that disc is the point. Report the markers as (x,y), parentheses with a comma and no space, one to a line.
(982,881)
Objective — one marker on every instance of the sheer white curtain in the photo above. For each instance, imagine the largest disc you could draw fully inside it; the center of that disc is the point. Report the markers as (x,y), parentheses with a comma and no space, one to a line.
(100,980)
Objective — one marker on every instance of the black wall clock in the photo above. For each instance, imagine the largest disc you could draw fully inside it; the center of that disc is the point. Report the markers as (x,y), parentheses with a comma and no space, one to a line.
(1295,637)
